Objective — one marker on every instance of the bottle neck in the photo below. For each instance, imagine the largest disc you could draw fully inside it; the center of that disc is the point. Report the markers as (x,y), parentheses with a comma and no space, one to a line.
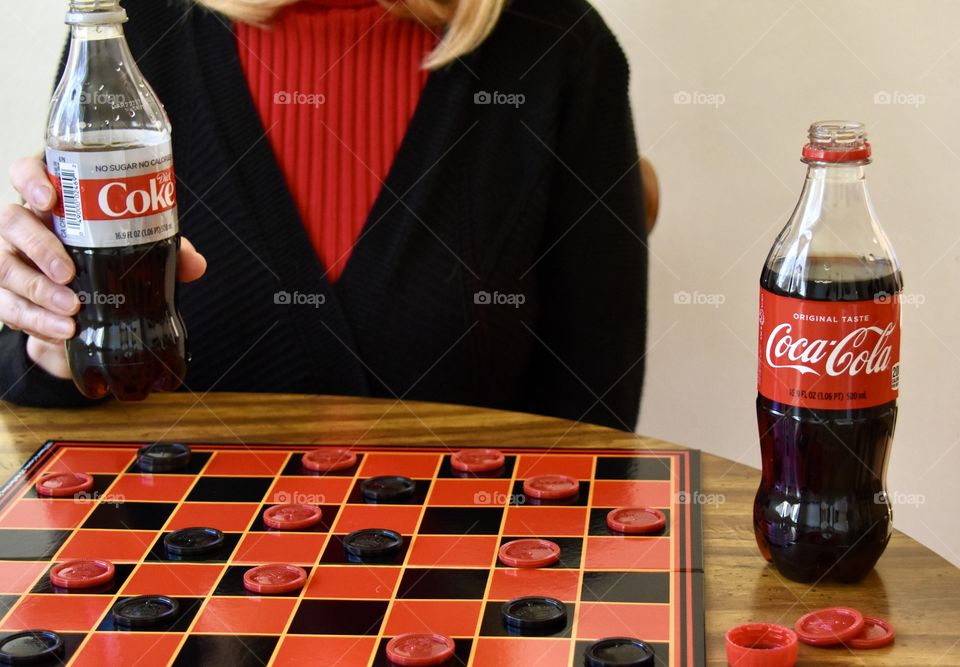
(831,188)
(95,12)
(90,33)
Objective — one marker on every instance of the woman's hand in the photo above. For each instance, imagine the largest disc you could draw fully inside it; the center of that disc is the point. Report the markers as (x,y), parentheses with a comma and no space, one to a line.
(35,269)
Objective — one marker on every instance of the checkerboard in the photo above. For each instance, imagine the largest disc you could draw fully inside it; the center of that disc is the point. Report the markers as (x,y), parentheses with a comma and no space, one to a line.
(447,578)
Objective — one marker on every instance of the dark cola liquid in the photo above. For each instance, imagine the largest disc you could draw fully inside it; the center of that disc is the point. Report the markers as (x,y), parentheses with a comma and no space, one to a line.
(130,339)
(821,509)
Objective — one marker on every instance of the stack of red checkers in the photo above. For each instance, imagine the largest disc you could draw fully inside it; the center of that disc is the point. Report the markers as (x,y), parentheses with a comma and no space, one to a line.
(415,649)
(636,520)
(274,579)
(477,460)
(63,484)
(843,625)
(292,516)
(73,574)
(551,487)
(329,459)
(530,553)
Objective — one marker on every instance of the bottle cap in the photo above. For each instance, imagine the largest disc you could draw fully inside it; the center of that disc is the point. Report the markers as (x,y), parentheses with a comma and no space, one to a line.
(837,141)
(761,645)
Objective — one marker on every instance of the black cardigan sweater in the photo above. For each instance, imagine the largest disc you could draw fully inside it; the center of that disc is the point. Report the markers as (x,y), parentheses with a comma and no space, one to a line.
(541,200)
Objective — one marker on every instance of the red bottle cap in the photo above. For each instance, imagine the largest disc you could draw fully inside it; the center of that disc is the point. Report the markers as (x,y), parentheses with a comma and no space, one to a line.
(761,645)
(636,520)
(876,633)
(477,460)
(551,487)
(81,573)
(274,578)
(415,649)
(329,459)
(292,516)
(529,553)
(63,484)
(826,627)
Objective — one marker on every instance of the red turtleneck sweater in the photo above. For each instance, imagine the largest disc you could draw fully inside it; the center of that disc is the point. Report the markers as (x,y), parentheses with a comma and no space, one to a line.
(335,83)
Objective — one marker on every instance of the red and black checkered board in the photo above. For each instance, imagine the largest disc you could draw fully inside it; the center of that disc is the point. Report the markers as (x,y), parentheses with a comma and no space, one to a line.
(447,580)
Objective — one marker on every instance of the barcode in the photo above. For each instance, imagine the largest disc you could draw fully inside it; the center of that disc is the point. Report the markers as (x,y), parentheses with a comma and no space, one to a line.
(72,213)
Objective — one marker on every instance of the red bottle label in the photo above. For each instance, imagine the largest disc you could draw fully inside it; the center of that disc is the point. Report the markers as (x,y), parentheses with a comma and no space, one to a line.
(829,355)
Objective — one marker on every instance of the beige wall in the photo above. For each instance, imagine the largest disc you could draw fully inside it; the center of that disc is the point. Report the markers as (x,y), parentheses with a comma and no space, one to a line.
(730,175)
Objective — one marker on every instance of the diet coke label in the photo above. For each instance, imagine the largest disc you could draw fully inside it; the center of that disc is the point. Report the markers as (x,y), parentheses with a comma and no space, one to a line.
(830,355)
(114,198)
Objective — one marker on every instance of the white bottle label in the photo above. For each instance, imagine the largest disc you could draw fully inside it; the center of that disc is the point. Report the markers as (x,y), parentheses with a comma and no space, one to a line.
(110,199)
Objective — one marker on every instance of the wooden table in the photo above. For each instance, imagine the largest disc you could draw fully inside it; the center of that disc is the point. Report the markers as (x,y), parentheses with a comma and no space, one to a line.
(918,591)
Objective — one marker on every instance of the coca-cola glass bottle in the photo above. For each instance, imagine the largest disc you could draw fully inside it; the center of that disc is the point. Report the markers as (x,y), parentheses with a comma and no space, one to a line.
(829,353)
(110,160)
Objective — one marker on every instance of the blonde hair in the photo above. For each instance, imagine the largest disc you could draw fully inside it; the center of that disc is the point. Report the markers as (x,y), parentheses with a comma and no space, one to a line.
(466,22)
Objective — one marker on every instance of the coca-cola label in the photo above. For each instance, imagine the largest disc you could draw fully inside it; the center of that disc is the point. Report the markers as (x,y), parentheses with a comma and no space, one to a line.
(830,355)
(114,198)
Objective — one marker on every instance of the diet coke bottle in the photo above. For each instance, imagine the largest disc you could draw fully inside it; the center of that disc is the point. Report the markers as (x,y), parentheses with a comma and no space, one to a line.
(829,350)
(110,161)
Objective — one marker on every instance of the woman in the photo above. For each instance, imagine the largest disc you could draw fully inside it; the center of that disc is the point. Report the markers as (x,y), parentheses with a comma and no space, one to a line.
(433,200)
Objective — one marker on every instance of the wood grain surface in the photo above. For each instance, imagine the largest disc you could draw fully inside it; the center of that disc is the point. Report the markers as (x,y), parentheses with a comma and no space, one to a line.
(915,589)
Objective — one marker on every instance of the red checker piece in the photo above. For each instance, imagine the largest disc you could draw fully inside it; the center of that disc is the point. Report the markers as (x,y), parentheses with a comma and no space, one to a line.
(64,484)
(529,553)
(551,487)
(329,459)
(829,626)
(415,649)
(477,460)
(292,516)
(761,645)
(81,573)
(876,633)
(274,578)
(636,520)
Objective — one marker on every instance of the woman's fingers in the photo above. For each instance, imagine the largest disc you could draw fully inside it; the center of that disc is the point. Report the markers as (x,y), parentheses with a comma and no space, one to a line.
(26,281)
(49,355)
(29,176)
(26,233)
(18,313)
(191,264)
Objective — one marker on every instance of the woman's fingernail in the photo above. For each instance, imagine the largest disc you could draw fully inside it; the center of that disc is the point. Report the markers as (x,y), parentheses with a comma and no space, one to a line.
(59,271)
(65,300)
(41,195)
